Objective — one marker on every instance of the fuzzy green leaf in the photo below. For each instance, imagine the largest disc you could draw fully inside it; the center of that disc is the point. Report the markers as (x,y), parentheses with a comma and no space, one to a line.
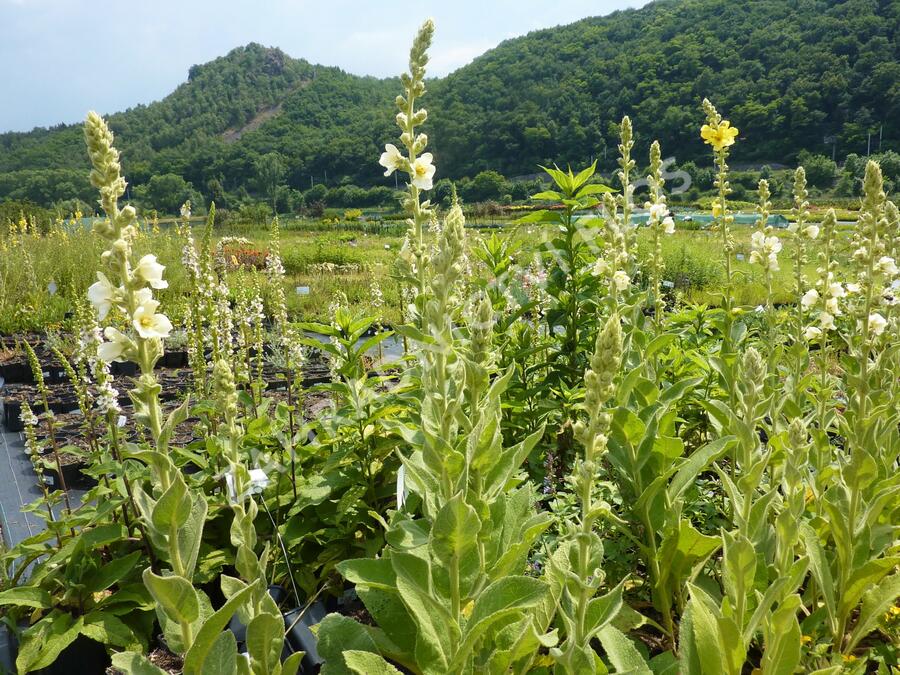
(175,596)
(367,663)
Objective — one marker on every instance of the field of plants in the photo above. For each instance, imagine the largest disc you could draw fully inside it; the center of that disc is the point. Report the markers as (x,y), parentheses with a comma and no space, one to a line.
(567,444)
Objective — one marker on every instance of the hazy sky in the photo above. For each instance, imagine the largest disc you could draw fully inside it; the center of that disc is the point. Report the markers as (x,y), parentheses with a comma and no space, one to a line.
(61,58)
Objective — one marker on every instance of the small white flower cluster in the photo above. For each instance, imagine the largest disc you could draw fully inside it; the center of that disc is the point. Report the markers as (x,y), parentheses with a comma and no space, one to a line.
(28,418)
(764,250)
(376,297)
(294,353)
(275,274)
(106,399)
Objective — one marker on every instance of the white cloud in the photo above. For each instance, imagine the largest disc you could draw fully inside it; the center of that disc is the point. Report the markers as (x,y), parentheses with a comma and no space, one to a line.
(447,58)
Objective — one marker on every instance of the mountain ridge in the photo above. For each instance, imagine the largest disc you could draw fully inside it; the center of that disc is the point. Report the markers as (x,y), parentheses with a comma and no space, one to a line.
(788,74)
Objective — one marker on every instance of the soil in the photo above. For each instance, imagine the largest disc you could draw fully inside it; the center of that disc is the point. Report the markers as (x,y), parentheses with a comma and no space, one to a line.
(169,662)
(161,658)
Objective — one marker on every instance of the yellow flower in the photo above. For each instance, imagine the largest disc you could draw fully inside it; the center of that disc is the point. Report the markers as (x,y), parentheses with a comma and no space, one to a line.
(805,639)
(720,136)
(848,658)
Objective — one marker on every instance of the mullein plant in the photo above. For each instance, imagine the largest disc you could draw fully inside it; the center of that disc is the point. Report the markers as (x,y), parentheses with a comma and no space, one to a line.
(852,546)
(764,249)
(660,223)
(173,517)
(446,594)
(718,634)
(822,305)
(583,615)
(259,612)
(803,232)
(720,135)
(615,265)
(418,165)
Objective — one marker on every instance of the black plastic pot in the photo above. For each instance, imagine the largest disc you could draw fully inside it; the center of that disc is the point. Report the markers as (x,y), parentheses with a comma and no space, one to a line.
(299,637)
(11,415)
(82,656)
(71,473)
(126,368)
(173,359)
(55,375)
(17,372)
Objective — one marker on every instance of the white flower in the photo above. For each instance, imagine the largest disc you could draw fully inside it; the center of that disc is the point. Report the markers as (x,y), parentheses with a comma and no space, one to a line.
(115,348)
(186,210)
(668,225)
(423,171)
(148,323)
(877,323)
(28,418)
(810,298)
(658,210)
(101,294)
(765,250)
(151,271)
(836,290)
(853,288)
(887,265)
(811,333)
(391,159)
(621,280)
(601,268)
(826,321)
(811,231)
(831,306)
(757,239)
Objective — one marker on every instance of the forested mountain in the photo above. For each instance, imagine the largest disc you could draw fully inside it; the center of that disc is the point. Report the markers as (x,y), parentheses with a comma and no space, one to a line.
(788,73)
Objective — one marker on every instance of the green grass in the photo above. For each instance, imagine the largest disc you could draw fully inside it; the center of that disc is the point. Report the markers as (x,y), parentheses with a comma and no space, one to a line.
(348,259)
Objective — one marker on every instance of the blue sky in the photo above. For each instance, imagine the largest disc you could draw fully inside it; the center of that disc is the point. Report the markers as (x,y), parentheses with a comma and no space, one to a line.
(61,58)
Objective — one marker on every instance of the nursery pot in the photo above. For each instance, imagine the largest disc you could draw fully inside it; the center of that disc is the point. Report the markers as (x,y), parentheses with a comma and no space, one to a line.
(299,637)
(83,655)
(71,473)
(17,372)
(127,368)
(11,415)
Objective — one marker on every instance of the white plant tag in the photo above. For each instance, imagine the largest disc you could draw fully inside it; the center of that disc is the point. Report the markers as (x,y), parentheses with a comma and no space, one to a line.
(229,488)
(668,284)
(121,421)
(302,290)
(52,288)
(402,492)
(258,480)
(739,256)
